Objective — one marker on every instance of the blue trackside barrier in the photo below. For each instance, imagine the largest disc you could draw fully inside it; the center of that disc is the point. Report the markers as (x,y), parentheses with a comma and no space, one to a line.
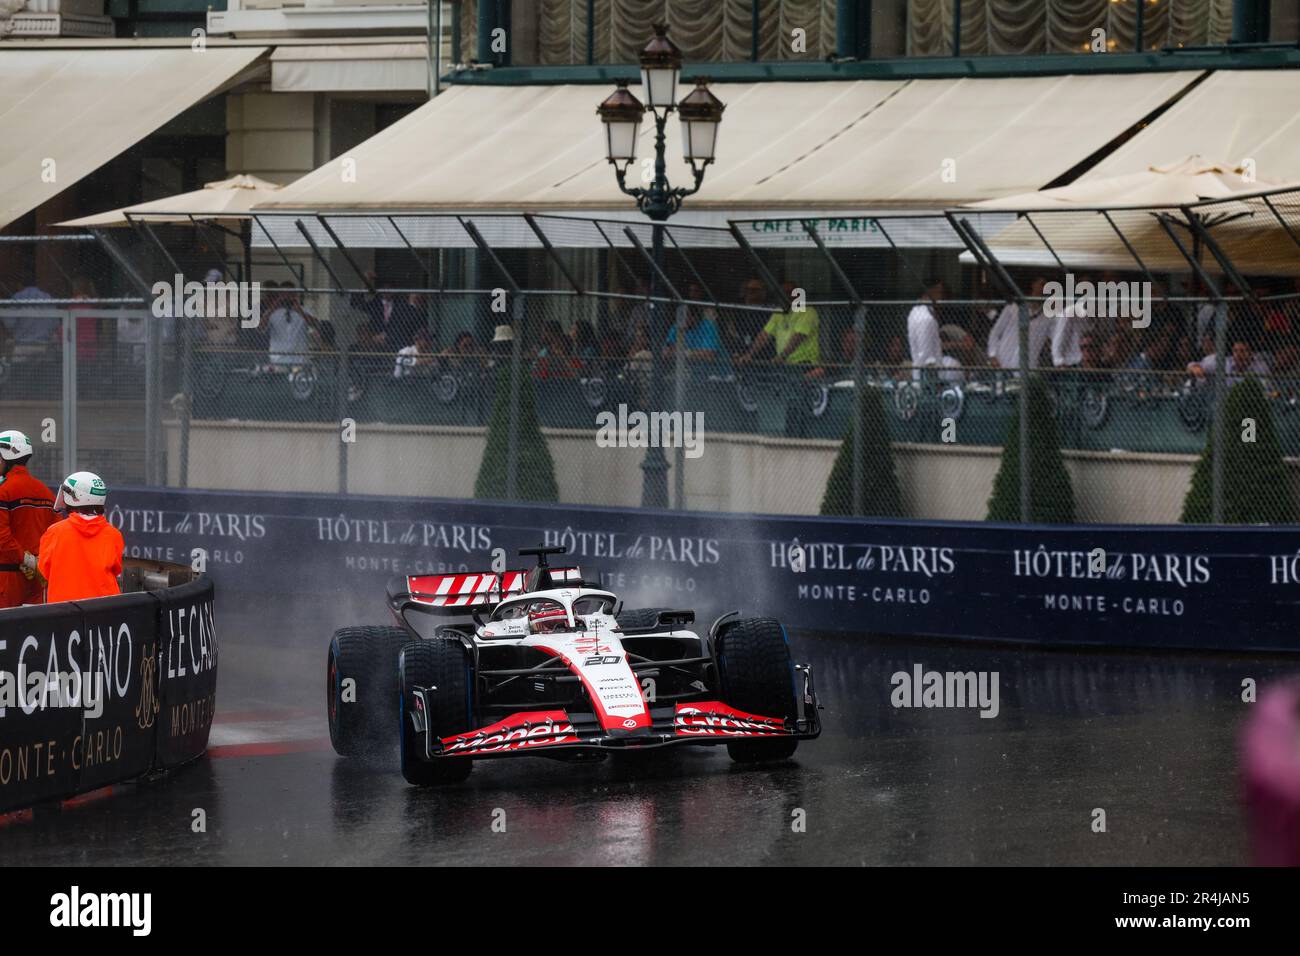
(1204,588)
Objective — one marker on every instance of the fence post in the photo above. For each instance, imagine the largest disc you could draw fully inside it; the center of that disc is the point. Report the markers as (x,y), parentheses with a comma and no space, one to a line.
(68,326)
(154,454)
(341,389)
(155,446)
(187,398)
(1216,455)
(679,406)
(1023,464)
(150,396)
(859,335)
(518,319)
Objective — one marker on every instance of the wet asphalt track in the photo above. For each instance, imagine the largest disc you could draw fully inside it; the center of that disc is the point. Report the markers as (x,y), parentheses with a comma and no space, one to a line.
(1149,738)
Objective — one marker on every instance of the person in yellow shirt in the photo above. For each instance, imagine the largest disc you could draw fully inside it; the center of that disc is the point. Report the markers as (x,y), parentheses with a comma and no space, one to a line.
(793,334)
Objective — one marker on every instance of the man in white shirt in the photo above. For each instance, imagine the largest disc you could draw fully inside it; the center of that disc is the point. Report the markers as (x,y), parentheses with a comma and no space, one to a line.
(287,328)
(416,357)
(1004,337)
(1068,327)
(923,340)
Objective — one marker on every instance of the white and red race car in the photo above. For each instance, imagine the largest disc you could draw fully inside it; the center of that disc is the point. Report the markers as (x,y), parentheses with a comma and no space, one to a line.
(543,663)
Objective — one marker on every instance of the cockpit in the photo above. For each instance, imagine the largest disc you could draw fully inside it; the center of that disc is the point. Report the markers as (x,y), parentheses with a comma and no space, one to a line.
(551,616)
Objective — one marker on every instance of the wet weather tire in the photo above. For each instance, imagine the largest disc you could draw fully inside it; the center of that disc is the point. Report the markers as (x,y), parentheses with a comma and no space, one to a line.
(362,713)
(756,676)
(444,666)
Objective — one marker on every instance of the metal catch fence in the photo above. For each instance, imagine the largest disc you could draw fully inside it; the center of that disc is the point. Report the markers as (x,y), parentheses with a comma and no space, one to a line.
(1043,366)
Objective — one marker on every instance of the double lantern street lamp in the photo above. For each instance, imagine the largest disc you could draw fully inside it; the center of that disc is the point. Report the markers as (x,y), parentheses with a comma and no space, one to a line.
(621,113)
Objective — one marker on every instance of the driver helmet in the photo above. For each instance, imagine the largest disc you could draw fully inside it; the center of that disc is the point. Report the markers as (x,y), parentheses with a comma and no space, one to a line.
(548,619)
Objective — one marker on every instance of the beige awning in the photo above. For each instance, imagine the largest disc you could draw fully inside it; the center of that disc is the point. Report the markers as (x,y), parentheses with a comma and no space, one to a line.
(226,199)
(943,142)
(64,114)
(795,146)
(511,147)
(1243,227)
(1189,180)
(1246,117)
(353,67)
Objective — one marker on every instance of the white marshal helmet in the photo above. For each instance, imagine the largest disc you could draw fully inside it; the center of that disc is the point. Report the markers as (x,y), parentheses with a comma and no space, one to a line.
(14,445)
(82,489)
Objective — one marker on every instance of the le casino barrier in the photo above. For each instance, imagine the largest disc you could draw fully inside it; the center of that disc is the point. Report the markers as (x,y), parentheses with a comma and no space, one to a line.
(97,692)
(321,561)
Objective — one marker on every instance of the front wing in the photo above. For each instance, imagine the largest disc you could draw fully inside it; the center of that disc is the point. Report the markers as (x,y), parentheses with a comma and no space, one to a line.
(554,732)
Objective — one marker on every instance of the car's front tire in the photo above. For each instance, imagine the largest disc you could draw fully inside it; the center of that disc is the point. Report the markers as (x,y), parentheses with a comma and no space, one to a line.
(443,667)
(361,688)
(756,675)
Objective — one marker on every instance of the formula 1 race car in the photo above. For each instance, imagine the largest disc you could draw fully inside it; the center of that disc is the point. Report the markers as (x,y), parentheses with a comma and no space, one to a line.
(545,663)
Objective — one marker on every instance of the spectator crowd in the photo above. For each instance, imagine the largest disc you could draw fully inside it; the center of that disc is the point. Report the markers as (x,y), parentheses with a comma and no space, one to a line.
(1158,338)
(397,336)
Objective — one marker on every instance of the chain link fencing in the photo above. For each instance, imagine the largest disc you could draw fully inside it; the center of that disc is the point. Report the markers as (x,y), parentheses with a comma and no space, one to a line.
(72,357)
(1172,335)
(533,357)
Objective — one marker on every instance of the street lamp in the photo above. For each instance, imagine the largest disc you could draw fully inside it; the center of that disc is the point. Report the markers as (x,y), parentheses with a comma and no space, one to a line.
(661,65)
(701,114)
(621,113)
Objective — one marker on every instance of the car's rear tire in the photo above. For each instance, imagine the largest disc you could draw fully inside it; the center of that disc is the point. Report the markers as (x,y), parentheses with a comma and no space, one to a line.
(756,675)
(361,714)
(444,666)
(637,617)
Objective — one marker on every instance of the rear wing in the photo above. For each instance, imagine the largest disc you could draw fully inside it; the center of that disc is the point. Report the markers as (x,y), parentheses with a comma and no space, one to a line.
(455,593)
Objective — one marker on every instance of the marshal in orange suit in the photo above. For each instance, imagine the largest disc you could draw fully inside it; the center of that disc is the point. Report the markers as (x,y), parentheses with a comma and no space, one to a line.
(26,510)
